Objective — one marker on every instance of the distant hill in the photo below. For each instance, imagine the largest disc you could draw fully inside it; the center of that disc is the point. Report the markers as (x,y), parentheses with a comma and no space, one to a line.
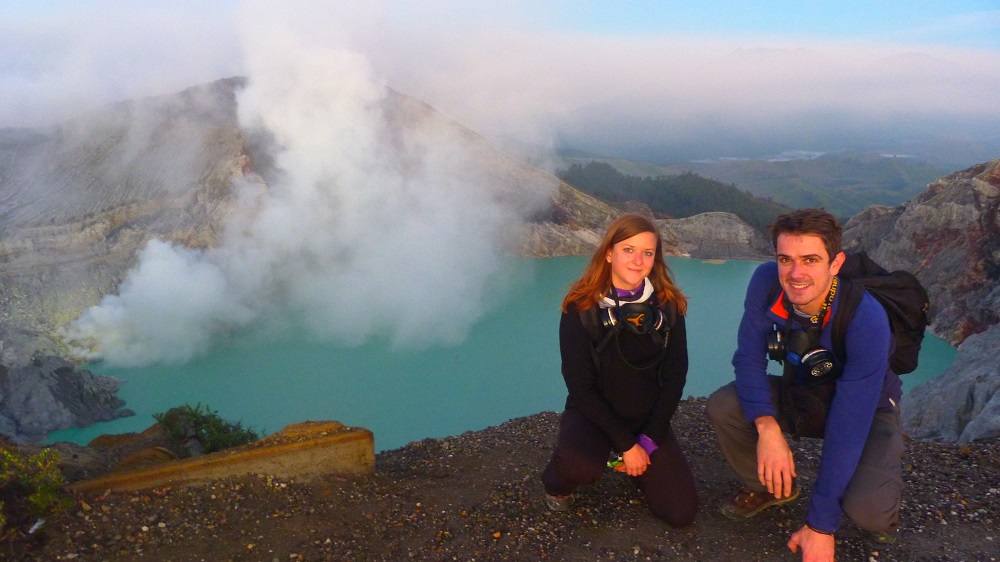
(677,196)
(842,182)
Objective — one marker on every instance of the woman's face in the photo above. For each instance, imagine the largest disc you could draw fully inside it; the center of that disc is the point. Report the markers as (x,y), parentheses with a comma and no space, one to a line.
(631,260)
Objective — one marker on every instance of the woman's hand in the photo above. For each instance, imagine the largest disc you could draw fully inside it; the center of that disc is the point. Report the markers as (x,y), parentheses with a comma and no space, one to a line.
(635,461)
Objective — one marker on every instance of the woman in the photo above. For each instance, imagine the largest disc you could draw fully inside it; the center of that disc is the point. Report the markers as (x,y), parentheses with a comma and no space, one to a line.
(625,366)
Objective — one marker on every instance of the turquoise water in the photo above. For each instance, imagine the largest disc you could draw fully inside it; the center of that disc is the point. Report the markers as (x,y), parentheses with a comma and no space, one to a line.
(507,367)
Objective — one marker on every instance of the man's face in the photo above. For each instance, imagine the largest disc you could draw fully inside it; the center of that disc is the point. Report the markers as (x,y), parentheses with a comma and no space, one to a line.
(805,271)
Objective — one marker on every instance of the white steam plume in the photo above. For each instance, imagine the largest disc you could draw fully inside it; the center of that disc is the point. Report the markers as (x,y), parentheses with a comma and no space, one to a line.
(375,225)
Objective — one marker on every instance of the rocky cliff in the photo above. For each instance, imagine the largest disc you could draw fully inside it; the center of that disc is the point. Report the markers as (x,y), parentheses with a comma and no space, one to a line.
(79,200)
(51,393)
(949,237)
(963,403)
(717,236)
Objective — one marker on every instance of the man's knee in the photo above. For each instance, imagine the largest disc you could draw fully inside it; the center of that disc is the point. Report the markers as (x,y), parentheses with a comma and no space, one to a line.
(874,507)
(872,498)
(872,516)
(723,404)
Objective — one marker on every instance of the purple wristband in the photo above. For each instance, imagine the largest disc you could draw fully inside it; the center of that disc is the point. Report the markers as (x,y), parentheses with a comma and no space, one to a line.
(647,444)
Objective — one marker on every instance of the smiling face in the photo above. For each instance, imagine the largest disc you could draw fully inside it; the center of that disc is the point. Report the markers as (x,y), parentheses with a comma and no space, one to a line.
(805,270)
(631,260)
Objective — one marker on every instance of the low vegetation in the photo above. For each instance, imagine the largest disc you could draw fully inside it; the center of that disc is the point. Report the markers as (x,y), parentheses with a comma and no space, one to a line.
(679,196)
(31,488)
(186,423)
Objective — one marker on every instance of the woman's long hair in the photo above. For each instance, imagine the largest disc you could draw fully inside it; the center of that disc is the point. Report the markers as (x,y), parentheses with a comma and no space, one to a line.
(595,282)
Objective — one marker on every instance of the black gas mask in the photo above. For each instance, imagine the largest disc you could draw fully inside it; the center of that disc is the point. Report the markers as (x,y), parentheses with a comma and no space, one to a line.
(799,348)
(637,317)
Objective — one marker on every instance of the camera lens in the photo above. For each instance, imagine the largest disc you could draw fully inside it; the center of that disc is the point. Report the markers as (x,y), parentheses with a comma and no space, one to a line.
(820,362)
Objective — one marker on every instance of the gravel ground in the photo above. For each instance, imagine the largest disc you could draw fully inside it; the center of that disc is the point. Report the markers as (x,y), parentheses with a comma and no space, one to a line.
(476,496)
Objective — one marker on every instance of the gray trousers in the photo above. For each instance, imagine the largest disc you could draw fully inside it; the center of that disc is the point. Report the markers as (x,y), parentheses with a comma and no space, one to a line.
(872,497)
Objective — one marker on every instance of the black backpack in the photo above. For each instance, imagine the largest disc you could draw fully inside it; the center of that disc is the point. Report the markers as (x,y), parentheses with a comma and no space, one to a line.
(901,295)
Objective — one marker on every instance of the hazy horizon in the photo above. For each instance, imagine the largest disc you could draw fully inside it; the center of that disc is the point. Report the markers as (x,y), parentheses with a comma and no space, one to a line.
(653,82)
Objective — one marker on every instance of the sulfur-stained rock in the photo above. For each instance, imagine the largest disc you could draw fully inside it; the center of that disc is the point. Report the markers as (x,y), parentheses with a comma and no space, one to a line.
(300,451)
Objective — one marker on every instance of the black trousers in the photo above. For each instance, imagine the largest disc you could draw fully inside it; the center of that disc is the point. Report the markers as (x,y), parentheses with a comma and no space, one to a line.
(581,456)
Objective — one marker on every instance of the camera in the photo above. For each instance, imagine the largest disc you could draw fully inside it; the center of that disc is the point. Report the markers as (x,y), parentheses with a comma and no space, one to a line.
(799,350)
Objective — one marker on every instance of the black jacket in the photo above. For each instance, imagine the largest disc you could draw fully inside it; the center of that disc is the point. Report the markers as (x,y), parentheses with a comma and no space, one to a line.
(623,401)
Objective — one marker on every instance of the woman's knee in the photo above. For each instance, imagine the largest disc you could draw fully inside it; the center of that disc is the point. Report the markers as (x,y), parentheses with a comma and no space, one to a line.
(677,513)
(670,489)
(677,505)
(576,468)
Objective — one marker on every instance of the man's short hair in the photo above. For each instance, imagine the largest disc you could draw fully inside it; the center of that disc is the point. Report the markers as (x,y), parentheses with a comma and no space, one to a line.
(817,222)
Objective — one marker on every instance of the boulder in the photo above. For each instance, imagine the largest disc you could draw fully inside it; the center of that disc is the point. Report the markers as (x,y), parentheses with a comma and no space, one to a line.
(716,235)
(963,403)
(49,394)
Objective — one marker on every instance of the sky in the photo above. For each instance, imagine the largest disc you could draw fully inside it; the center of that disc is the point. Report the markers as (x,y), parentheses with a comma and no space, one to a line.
(596,75)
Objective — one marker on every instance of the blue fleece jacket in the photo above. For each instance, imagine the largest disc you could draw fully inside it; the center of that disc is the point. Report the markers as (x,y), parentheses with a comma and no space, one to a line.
(866,383)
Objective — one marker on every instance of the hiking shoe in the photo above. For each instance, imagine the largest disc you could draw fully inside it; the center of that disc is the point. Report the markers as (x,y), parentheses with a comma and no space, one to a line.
(747,503)
(558,503)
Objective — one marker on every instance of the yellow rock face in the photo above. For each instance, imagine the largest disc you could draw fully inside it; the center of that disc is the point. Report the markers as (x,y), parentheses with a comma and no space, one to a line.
(300,451)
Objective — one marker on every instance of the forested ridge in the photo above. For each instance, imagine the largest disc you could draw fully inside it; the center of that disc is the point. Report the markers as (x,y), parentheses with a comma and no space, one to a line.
(678,196)
(843,183)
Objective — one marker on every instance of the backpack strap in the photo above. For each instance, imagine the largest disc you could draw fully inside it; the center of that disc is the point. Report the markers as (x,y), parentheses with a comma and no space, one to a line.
(856,264)
(850,297)
(598,338)
(669,319)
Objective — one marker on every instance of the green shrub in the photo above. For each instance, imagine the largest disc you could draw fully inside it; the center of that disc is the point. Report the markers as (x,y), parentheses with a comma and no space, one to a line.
(187,422)
(30,487)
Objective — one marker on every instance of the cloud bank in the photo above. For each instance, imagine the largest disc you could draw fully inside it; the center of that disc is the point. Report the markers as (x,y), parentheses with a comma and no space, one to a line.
(498,69)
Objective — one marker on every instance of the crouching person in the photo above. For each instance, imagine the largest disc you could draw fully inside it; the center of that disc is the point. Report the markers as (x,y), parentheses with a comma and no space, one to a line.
(851,402)
(623,345)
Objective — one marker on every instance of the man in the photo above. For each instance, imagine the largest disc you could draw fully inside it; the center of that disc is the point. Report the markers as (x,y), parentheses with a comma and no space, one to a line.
(788,312)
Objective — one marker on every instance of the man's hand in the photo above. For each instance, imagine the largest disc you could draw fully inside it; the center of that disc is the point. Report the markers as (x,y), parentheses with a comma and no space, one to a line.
(816,547)
(775,465)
